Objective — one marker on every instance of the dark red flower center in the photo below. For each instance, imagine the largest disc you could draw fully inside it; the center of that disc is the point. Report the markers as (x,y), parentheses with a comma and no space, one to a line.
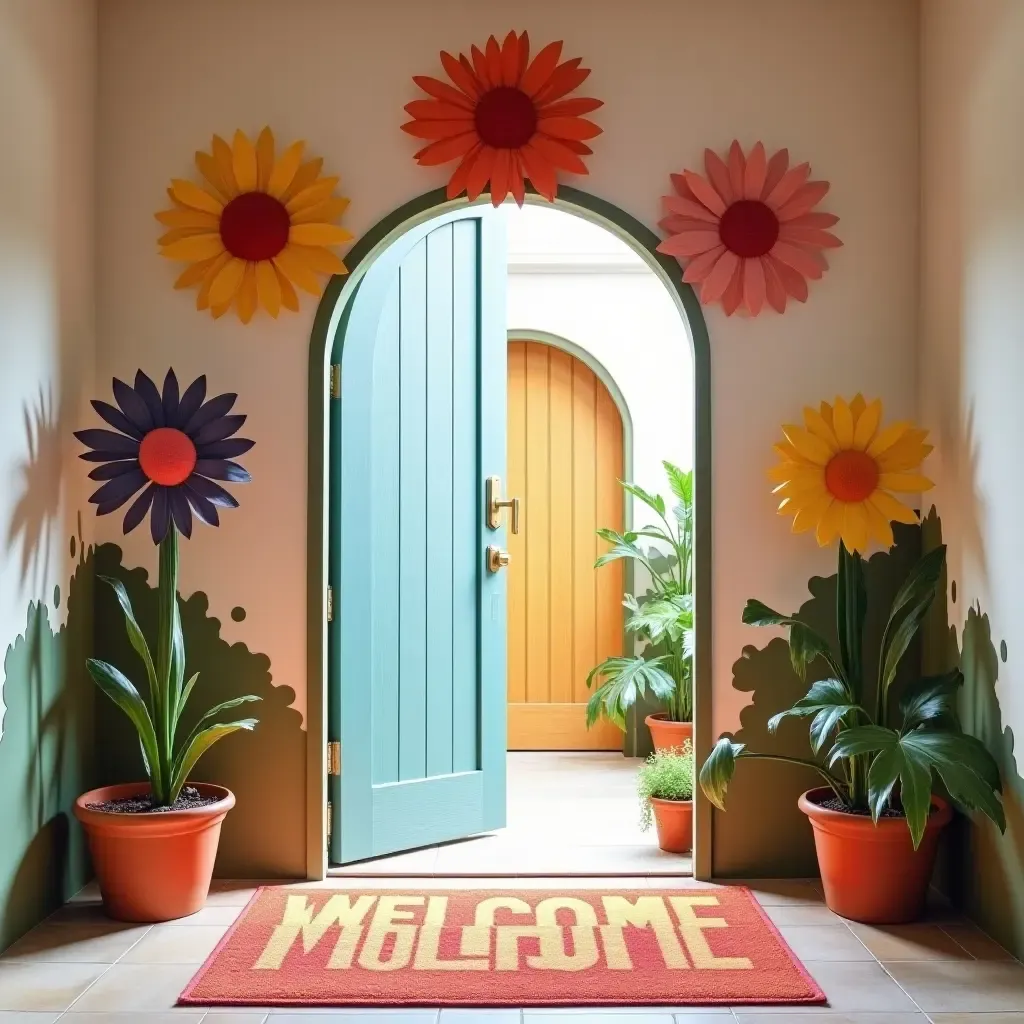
(749,228)
(505,117)
(254,226)
(851,475)
(167,456)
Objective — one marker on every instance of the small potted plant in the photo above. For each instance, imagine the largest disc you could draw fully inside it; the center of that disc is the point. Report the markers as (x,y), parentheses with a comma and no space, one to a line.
(663,620)
(665,787)
(876,744)
(153,843)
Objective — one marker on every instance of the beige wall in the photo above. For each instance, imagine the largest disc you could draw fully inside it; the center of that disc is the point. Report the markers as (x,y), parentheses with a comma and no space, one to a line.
(47,260)
(971,373)
(835,82)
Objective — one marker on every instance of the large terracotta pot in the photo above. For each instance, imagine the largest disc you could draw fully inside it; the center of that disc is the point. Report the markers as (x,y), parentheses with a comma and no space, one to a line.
(674,821)
(666,734)
(155,866)
(872,873)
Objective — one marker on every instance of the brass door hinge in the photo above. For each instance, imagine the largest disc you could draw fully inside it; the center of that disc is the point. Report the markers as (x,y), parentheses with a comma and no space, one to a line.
(334,757)
(330,822)
(335,380)
(330,604)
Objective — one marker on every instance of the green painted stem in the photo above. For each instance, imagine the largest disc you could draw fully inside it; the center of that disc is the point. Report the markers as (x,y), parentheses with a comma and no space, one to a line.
(164,699)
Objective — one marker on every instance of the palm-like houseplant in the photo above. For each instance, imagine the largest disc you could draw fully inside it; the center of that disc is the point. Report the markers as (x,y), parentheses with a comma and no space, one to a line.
(173,448)
(662,620)
(876,744)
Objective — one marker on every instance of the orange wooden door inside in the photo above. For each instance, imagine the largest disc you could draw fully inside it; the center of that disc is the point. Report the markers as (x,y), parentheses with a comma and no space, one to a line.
(565,458)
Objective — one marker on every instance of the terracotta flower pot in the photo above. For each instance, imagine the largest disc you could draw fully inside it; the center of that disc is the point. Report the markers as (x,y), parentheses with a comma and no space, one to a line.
(872,873)
(666,734)
(155,866)
(674,821)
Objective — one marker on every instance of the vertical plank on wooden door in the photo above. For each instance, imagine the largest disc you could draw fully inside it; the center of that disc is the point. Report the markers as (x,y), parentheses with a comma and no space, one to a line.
(516,487)
(584,541)
(385,502)
(467,498)
(560,447)
(608,510)
(438,500)
(412,637)
(538,555)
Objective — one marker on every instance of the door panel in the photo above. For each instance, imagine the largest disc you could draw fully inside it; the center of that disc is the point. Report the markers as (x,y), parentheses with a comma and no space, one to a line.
(565,457)
(418,635)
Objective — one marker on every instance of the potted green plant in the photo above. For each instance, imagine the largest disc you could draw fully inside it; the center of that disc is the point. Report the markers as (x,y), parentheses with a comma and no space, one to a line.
(877,745)
(153,843)
(662,620)
(665,788)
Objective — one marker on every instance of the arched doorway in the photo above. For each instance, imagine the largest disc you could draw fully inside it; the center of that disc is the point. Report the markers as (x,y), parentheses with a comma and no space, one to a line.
(330,318)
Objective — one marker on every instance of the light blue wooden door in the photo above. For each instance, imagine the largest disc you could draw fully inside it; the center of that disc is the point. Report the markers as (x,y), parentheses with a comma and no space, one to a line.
(417,644)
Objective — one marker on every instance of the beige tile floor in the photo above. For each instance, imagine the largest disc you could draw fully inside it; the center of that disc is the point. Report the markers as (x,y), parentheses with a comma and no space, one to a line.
(568,813)
(80,968)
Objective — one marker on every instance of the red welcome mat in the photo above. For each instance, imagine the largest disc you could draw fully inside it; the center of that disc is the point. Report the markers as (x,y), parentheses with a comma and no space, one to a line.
(494,947)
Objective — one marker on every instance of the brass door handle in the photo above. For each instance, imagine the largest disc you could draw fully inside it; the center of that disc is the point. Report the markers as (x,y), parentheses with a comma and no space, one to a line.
(495,504)
(496,558)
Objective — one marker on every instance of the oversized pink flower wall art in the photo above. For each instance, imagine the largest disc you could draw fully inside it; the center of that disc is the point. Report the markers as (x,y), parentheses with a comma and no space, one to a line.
(747,234)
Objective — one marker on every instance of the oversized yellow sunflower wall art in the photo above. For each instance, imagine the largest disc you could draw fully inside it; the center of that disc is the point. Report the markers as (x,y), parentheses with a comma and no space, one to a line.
(259,225)
(840,469)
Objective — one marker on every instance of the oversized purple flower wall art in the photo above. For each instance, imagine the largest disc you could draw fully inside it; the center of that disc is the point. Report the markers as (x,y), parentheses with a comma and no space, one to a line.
(173,447)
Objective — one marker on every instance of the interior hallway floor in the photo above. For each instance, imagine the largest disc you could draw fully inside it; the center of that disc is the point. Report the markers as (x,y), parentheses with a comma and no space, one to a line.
(569,813)
(81,968)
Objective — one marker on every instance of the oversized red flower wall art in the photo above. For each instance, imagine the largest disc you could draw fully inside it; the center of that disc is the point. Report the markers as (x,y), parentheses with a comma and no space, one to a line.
(505,118)
(748,234)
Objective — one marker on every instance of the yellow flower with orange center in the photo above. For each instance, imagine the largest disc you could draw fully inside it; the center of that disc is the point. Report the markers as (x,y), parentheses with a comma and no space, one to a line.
(261,225)
(839,471)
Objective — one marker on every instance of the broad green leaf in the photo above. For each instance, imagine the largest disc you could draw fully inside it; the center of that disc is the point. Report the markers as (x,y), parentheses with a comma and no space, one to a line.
(622,681)
(908,612)
(718,770)
(805,643)
(829,701)
(187,691)
(225,706)
(198,746)
(121,691)
(138,641)
(681,482)
(861,739)
(655,501)
(957,748)
(622,547)
(901,762)
(663,617)
(931,701)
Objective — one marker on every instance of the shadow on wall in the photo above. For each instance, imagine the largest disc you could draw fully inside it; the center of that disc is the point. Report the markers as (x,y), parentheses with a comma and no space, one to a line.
(983,871)
(46,758)
(265,835)
(763,834)
(38,508)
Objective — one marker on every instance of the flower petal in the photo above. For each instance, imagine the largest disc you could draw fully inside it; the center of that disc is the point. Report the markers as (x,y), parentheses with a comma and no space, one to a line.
(190,402)
(290,264)
(808,236)
(107,441)
(443,150)
(328,210)
(318,234)
(444,92)
(160,519)
(195,247)
(799,259)
(811,447)
(224,287)
(226,449)
(754,287)
(558,154)
(509,61)
(689,208)
(212,410)
(541,69)
(203,507)
(284,170)
(461,75)
(188,218)
(304,177)
(139,508)
(223,469)
(247,297)
(720,277)
(855,527)
(830,523)
(212,492)
(192,195)
(315,193)
(225,171)
(264,158)
(718,175)
(700,266)
(887,437)
(790,182)
(180,512)
(115,492)
(109,470)
(243,162)
(878,526)
(820,427)
(794,282)
(705,193)
(218,429)
(268,289)
(842,423)
(775,290)
(777,167)
(132,405)
(867,425)
(803,200)
(563,80)
(541,172)
(690,243)
(909,483)
(117,419)
(755,172)
(737,168)
(893,510)
(288,297)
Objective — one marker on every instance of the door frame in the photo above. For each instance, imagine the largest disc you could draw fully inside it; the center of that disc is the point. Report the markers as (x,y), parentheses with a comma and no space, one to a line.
(332,304)
(603,374)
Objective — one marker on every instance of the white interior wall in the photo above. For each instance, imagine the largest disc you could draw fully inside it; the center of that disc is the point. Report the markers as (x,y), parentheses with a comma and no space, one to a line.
(574,279)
